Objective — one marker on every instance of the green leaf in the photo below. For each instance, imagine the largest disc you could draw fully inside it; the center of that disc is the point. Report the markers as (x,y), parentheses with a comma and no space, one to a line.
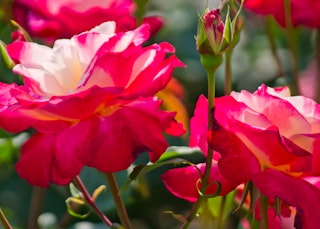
(141,170)
(178,151)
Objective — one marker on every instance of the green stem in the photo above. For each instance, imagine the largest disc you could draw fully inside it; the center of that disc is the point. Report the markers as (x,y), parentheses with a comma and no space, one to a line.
(221,212)
(272,43)
(37,197)
(90,201)
(291,37)
(211,97)
(318,64)
(264,211)
(228,72)
(4,221)
(211,66)
(118,201)
(295,62)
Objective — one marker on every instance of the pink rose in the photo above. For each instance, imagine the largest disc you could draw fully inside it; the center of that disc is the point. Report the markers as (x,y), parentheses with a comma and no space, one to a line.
(91,100)
(273,140)
(303,12)
(62,19)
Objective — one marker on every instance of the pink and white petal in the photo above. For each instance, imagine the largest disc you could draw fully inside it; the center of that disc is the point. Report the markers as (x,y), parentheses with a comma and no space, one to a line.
(309,109)
(108,28)
(30,54)
(108,70)
(12,119)
(155,77)
(280,92)
(40,81)
(87,44)
(294,191)
(124,40)
(278,111)
(228,110)
(281,153)
(67,65)
(235,117)
(142,72)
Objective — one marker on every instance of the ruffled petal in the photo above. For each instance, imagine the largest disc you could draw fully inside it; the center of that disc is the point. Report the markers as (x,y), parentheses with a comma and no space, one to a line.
(252,128)
(95,141)
(37,162)
(237,163)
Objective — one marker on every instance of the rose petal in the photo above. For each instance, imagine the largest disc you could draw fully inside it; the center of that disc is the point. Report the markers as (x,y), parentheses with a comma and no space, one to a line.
(182,182)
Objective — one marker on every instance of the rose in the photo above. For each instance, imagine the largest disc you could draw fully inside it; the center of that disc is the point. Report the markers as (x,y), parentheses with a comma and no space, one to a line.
(271,139)
(303,12)
(62,19)
(91,101)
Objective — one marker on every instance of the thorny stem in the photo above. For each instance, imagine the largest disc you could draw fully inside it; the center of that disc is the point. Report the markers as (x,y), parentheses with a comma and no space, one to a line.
(122,213)
(89,200)
(4,221)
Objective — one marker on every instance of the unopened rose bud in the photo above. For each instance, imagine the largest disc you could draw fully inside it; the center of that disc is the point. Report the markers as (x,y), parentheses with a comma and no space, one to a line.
(18,35)
(214,28)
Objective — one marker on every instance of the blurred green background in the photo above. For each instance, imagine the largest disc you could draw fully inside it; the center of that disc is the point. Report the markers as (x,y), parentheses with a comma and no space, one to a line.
(147,200)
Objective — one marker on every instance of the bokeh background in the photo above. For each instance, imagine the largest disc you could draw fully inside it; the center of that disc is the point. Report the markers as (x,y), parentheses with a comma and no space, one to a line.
(148,200)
